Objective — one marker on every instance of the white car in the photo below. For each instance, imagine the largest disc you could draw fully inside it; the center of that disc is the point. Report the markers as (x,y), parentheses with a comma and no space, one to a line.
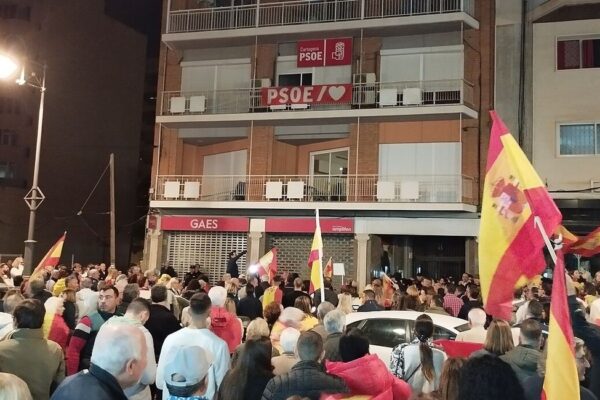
(387,329)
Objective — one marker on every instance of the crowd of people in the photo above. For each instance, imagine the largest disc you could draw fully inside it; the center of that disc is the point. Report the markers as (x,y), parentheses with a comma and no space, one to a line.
(96,333)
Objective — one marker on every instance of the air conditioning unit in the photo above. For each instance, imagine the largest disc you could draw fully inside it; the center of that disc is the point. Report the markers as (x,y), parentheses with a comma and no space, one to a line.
(261,83)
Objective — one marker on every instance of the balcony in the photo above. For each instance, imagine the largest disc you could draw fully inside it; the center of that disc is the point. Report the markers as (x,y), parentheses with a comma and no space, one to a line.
(301,17)
(368,192)
(377,101)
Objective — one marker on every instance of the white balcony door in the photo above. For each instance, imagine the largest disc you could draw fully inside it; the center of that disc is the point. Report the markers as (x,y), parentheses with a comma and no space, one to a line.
(328,175)
(422,64)
(222,174)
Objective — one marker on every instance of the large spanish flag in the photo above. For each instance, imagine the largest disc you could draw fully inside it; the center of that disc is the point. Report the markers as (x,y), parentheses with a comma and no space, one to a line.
(510,244)
(51,258)
(315,260)
(268,264)
(587,246)
(561,381)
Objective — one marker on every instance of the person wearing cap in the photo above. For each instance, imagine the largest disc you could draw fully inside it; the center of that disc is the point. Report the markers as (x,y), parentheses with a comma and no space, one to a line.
(186,372)
(197,334)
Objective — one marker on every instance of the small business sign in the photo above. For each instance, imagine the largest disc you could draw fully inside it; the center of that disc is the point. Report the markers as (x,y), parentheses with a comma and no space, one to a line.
(204,223)
(307,225)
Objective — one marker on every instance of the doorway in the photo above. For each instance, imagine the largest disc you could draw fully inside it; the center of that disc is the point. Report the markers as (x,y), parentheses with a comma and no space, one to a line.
(328,175)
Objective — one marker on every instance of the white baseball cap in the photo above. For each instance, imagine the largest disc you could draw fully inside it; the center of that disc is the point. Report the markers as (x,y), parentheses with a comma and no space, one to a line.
(185,369)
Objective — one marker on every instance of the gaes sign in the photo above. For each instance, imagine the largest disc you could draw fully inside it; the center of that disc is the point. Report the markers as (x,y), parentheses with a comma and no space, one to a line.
(317,94)
(324,52)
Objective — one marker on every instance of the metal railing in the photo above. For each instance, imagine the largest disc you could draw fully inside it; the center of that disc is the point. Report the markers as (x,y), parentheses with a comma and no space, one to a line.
(321,188)
(306,12)
(364,95)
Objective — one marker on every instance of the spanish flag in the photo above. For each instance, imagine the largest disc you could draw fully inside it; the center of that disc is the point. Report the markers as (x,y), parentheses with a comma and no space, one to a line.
(268,264)
(568,238)
(587,246)
(315,260)
(561,381)
(388,289)
(51,258)
(514,201)
(328,271)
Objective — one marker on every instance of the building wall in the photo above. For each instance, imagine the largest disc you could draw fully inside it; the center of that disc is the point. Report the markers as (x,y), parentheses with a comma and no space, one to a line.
(562,97)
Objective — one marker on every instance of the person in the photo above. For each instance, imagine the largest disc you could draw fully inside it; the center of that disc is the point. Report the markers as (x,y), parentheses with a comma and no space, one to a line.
(488,377)
(111,371)
(436,306)
(192,274)
(224,324)
(472,302)
(37,291)
(334,326)
(449,380)
(290,298)
(322,310)
(168,270)
(232,267)
(452,304)
(137,314)
(272,313)
(11,300)
(186,372)
(273,293)
(330,294)
(13,388)
(533,384)
(256,329)
(524,358)
(370,304)
(530,294)
(131,291)
(161,322)
(476,332)
(87,299)
(364,373)
(82,342)
(199,334)
(498,339)
(290,317)
(306,378)
(304,304)
(70,303)
(419,363)
(26,354)
(249,306)
(55,328)
(247,380)
(284,362)
(17,268)
(345,301)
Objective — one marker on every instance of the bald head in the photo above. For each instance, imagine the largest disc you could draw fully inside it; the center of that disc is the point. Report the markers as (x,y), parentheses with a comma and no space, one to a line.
(477,317)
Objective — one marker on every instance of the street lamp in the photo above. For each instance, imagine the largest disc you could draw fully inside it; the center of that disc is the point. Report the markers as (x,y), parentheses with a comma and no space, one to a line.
(34,197)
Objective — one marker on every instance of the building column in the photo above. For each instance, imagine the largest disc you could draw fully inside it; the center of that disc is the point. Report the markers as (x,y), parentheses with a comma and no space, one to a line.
(471,250)
(362,259)
(154,246)
(254,246)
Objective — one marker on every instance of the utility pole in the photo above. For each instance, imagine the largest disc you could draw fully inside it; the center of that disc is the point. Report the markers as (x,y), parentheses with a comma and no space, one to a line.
(113,244)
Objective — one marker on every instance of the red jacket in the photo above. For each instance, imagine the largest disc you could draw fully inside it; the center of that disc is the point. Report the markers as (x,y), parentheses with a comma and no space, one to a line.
(226,326)
(369,375)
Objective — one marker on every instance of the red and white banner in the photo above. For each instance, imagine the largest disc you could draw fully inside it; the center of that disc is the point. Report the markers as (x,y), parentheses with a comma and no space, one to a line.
(317,94)
(324,52)
(204,223)
(308,225)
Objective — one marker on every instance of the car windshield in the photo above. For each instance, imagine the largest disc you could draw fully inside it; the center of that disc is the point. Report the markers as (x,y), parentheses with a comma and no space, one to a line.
(462,328)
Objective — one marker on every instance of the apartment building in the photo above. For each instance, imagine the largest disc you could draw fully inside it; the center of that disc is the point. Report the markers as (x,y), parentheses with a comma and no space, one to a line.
(373,111)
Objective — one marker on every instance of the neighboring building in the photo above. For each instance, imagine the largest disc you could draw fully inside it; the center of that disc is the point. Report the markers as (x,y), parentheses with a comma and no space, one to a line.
(254,133)
(93,107)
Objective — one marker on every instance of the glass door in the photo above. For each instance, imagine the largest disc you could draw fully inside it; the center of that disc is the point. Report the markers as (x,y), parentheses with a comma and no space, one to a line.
(328,175)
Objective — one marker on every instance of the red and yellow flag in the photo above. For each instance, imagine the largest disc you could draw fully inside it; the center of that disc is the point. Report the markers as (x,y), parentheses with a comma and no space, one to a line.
(388,289)
(51,258)
(510,244)
(328,271)
(587,246)
(315,260)
(268,264)
(561,380)
(568,238)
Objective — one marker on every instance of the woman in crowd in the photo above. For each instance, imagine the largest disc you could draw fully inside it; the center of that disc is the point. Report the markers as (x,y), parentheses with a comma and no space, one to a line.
(284,362)
(487,377)
(55,328)
(309,321)
(291,317)
(498,339)
(271,313)
(419,363)
(345,301)
(70,303)
(411,301)
(449,379)
(252,372)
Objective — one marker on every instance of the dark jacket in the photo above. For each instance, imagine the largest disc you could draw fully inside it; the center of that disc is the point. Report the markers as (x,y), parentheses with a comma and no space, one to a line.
(92,384)
(42,296)
(161,324)
(306,379)
(534,384)
(169,271)
(332,347)
(330,296)
(468,306)
(370,305)
(232,267)
(250,307)
(255,386)
(523,360)
(290,298)
(70,314)
(590,334)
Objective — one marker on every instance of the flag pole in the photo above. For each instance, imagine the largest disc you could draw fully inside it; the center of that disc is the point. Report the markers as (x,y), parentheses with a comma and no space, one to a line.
(321,259)
(537,221)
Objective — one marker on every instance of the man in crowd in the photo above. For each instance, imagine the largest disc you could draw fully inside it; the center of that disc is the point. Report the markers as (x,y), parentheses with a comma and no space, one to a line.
(37,290)
(452,304)
(250,306)
(306,378)
(197,334)
(162,322)
(232,267)
(524,358)
(131,291)
(11,300)
(290,298)
(194,273)
(369,304)
(26,354)
(186,372)
(477,332)
(330,295)
(117,363)
(81,345)
(473,301)
(335,322)
(323,309)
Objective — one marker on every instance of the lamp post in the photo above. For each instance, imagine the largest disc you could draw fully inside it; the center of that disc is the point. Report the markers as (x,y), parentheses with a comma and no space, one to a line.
(34,196)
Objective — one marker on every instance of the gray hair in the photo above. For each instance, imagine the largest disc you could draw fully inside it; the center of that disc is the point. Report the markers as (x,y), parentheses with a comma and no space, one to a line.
(289,339)
(11,301)
(116,345)
(324,308)
(257,328)
(477,317)
(86,283)
(334,321)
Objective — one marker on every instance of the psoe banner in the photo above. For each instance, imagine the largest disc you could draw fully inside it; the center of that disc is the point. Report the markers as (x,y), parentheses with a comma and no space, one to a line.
(317,94)
(204,223)
(324,52)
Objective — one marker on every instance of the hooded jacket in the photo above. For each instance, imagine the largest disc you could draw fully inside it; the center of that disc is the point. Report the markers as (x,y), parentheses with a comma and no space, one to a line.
(226,326)
(523,360)
(378,382)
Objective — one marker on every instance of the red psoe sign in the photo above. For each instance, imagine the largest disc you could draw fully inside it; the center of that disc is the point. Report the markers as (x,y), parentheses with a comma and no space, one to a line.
(318,94)
(324,52)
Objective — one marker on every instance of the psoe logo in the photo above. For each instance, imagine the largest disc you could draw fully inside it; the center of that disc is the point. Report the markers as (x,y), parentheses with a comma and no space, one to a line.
(208,224)
(509,200)
(339,51)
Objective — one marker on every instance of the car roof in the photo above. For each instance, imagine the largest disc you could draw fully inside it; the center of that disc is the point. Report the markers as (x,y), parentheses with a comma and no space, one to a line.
(438,319)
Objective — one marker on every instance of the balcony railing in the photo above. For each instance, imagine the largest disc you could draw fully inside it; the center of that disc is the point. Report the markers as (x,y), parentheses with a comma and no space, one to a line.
(320,188)
(306,12)
(364,95)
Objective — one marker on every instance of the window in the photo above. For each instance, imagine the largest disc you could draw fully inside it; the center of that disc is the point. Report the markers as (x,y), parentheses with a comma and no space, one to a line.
(8,137)
(301,79)
(7,170)
(578,53)
(11,11)
(579,139)
(385,332)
